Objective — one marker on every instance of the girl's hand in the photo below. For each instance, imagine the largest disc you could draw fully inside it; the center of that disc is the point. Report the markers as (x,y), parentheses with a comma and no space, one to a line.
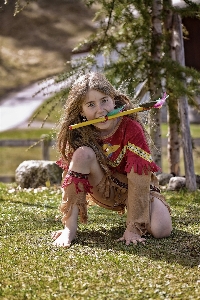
(131,237)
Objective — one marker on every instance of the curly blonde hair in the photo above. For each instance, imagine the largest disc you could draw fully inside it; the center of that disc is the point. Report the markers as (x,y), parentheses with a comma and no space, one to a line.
(69,140)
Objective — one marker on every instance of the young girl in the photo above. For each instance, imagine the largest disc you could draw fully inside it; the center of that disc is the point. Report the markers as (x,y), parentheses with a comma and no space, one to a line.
(110,161)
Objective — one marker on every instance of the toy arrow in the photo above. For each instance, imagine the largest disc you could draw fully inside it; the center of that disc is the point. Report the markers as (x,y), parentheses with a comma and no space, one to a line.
(119,112)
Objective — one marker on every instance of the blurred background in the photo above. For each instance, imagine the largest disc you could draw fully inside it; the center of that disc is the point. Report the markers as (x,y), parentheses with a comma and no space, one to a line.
(35,44)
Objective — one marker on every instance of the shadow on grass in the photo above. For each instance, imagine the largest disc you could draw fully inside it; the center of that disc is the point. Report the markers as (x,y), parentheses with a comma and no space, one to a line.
(180,248)
(102,231)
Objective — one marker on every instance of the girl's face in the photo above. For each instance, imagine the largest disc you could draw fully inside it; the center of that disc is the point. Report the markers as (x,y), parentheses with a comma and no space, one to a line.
(97,105)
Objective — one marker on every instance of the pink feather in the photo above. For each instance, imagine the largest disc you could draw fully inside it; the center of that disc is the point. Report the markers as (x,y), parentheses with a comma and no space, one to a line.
(160,102)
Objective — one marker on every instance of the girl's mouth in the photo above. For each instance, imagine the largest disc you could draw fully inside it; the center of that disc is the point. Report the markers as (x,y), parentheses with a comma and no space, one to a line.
(106,119)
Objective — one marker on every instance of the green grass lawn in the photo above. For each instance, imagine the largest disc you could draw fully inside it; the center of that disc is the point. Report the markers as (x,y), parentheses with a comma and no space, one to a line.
(194,128)
(95,266)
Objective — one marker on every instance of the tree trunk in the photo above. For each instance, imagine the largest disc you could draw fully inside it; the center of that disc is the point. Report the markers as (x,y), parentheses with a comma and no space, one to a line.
(183,111)
(173,145)
(156,49)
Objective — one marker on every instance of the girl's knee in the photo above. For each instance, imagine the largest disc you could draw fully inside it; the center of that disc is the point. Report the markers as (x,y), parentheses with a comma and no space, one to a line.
(84,154)
(161,223)
(159,232)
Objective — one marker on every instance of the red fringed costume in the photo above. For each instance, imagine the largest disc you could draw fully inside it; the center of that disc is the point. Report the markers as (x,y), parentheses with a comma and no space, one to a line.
(128,148)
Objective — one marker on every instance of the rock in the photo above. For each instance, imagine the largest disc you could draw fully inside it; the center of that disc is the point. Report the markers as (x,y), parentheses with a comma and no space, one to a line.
(176,183)
(36,173)
(164,178)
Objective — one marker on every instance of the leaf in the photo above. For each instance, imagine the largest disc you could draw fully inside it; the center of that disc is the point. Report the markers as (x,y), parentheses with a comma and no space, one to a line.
(48,184)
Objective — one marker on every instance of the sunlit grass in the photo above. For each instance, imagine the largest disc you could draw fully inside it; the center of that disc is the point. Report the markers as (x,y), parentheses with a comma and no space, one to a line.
(196,159)
(195,133)
(96,266)
(11,157)
(194,129)
(26,133)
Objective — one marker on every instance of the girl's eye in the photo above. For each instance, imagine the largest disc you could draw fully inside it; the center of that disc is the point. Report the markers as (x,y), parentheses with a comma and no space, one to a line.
(104,100)
(90,104)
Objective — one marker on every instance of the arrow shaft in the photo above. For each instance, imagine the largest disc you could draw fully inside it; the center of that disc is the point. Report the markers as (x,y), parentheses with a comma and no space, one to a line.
(99,120)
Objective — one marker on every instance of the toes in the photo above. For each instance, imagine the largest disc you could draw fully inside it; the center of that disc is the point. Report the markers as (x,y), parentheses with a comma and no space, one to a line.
(53,235)
(142,240)
(135,242)
(56,234)
(62,241)
(128,243)
(61,244)
(120,239)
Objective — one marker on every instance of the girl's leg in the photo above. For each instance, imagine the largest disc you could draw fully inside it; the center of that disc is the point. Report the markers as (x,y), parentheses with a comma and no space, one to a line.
(161,224)
(63,238)
(83,163)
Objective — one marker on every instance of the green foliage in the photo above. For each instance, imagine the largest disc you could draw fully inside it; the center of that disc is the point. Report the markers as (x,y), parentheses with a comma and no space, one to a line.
(134,51)
(51,109)
(95,266)
(20,5)
(125,27)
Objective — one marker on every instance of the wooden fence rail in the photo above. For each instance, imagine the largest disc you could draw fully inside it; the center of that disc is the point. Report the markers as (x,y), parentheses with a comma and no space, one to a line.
(45,143)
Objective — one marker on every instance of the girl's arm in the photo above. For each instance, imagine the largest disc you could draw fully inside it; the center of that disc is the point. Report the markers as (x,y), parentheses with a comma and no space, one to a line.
(138,203)
(138,208)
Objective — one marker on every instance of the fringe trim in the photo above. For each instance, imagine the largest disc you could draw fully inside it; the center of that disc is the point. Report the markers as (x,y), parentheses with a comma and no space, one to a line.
(66,209)
(62,164)
(104,186)
(139,166)
(71,179)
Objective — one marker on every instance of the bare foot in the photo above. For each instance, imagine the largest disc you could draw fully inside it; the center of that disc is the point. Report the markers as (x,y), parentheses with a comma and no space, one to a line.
(64,237)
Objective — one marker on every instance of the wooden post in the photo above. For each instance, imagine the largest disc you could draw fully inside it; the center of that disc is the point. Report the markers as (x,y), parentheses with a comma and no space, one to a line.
(190,176)
(45,144)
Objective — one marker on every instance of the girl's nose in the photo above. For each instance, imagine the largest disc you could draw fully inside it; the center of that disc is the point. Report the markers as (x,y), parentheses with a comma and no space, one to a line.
(100,108)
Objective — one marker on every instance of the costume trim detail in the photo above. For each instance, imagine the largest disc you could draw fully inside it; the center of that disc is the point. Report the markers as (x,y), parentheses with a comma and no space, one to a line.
(133,148)
(62,164)
(139,151)
(119,158)
(119,183)
(77,178)
(154,188)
